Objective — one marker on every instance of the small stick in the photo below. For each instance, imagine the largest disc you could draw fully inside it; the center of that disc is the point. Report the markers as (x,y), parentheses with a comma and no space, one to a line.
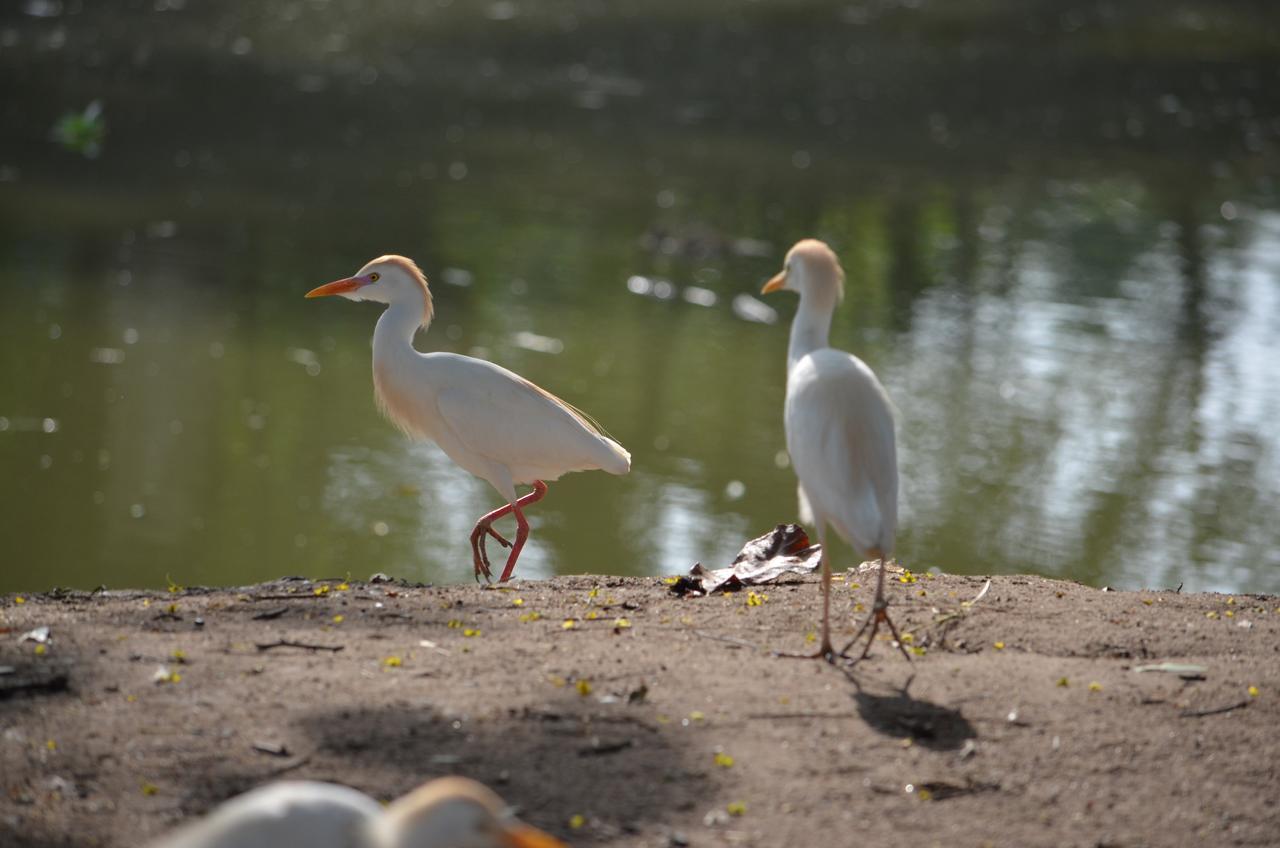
(286,643)
(741,643)
(1216,711)
(270,614)
(310,596)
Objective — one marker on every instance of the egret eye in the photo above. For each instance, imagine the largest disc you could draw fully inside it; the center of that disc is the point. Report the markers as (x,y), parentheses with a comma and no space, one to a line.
(373,278)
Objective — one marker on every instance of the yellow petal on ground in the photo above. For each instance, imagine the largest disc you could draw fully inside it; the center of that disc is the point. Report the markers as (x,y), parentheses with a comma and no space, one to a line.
(724,760)
(392,662)
(470,632)
(40,649)
(697,715)
(736,808)
(1253,691)
(569,624)
(19,600)
(671,581)
(576,821)
(149,789)
(338,619)
(1095,686)
(454,624)
(621,623)
(999,646)
(593,615)
(517,602)
(51,745)
(583,687)
(1063,682)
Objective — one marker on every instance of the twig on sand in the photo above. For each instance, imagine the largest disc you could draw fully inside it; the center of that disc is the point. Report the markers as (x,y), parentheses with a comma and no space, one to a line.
(299,596)
(288,643)
(741,643)
(267,615)
(1215,711)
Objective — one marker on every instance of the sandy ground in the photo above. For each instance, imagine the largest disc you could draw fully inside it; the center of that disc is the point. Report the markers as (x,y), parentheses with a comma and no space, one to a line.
(655,720)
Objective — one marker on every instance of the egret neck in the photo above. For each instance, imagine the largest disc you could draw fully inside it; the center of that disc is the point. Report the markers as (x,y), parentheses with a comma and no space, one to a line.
(812,325)
(393,334)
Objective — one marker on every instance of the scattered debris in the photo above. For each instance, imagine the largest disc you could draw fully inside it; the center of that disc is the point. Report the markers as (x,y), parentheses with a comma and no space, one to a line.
(40,636)
(783,550)
(1215,711)
(274,749)
(599,748)
(1187,671)
(288,643)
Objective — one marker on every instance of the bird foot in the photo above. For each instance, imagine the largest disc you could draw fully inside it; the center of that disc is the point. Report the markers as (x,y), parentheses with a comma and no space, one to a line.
(879,615)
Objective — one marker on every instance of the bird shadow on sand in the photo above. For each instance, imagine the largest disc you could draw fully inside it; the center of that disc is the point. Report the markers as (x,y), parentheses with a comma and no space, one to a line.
(893,711)
(615,766)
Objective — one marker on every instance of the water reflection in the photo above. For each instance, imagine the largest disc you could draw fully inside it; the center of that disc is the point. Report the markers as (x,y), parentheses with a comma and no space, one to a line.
(1060,230)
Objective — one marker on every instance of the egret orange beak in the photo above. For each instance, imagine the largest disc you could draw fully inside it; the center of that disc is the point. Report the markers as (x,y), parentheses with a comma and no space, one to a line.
(524,836)
(350,284)
(776,284)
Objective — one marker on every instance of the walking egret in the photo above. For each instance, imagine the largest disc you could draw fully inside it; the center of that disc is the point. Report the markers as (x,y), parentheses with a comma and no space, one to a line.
(492,422)
(839,424)
(450,812)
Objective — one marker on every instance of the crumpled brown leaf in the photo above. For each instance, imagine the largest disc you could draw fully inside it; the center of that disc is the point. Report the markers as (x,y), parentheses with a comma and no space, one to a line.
(783,550)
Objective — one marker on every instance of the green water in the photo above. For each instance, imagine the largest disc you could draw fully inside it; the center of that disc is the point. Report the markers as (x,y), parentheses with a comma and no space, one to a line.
(1060,226)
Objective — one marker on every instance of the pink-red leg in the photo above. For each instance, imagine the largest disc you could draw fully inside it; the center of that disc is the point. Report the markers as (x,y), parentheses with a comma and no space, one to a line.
(480,555)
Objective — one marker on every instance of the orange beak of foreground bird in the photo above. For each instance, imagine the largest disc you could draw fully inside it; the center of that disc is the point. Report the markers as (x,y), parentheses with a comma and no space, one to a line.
(524,836)
(349,284)
(779,280)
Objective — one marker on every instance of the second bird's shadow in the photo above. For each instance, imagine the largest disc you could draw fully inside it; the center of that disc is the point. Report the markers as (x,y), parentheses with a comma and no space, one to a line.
(895,712)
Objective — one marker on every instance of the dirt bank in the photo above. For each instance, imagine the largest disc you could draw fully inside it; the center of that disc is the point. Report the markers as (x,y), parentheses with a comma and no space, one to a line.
(1022,720)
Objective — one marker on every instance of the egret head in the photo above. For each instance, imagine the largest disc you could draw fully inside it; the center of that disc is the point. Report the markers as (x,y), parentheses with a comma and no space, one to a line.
(388,279)
(454,812)
(812,271)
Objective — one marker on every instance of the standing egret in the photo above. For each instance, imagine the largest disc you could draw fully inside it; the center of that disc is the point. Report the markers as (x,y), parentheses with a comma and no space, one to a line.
(451,812)
(839,426)
(495,424)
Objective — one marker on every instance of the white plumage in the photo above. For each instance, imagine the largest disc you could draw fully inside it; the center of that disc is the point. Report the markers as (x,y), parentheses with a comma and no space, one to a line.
(289,813)
(450,812)
(492,422)
(840,430)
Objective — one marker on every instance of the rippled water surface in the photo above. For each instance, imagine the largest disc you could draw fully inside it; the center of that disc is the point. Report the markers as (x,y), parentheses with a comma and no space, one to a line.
(1060,226)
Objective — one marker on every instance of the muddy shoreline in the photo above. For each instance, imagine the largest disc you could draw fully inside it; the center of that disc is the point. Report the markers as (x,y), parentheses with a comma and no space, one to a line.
(658,720)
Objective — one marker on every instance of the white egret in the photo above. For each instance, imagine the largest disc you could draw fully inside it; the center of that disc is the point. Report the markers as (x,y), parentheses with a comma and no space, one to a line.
(495,424)
(451,812)
(839,424)
(298,812)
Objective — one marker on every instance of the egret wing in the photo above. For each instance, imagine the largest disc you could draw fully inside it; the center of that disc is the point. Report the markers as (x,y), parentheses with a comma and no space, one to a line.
(506,419)
(841,438)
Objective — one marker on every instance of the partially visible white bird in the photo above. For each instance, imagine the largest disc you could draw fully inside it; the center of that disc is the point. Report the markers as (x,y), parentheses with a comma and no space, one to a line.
(451,812)
(840,436)
(288,813)
(495,424)
(454,812)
